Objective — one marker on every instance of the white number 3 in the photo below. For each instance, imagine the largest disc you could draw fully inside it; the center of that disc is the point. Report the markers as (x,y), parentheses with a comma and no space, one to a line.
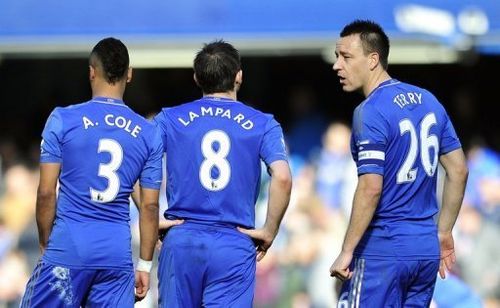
(108,171)
(215,159)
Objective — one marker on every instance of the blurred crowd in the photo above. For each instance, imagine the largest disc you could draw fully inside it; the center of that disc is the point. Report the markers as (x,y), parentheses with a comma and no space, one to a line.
(295,272)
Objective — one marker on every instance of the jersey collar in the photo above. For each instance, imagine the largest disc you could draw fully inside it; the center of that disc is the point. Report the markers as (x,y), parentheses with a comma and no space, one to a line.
(218,98)
(384,84)
(108,100)
(388,82)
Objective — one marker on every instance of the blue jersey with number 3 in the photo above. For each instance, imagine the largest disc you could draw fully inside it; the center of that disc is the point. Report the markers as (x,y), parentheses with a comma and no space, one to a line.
(399,132)
(214,149)
(103,148)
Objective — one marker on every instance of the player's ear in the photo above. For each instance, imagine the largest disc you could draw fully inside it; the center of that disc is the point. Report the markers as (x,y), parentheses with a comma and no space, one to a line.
(129,75)
(91,73)
(374,60)
(195,79)
(239,79)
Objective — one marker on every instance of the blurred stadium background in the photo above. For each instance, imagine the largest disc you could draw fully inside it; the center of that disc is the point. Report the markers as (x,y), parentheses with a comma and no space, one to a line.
(451,47)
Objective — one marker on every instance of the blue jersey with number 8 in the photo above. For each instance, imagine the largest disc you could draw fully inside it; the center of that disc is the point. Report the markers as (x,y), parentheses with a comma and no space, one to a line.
(214,147)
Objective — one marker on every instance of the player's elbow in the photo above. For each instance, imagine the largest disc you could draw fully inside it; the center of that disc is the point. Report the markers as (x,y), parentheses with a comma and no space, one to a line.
(459,173)
(455,165)
(373,192)
(463,172)
(371,185)
(283,180)
(281,176)
(43,195)
(151,207)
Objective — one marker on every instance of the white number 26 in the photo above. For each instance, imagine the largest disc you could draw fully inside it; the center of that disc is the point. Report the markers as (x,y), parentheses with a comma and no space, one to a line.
(427,142)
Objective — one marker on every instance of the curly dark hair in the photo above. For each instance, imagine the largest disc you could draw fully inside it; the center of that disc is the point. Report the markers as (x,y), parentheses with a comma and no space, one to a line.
(216,66)
(112,56)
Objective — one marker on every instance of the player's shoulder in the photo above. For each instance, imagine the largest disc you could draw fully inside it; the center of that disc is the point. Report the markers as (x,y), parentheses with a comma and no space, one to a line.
(166,111)
(372,110)
(260,118)
(64,112)
(371,105)
(139,118)
(72,107)
(253,109)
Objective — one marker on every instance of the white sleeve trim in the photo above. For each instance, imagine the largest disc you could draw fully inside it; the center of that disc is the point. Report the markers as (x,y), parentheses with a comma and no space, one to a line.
(371,155)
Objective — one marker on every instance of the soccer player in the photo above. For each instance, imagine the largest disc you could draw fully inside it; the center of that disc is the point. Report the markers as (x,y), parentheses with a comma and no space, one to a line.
(97,150)
(214,147)
(391,251)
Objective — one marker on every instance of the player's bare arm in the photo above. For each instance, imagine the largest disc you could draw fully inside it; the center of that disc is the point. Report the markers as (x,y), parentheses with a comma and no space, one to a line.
(148,225)
(365,202)
(279,197)
(136,195)
(163,225)
(46,201)
(455,166)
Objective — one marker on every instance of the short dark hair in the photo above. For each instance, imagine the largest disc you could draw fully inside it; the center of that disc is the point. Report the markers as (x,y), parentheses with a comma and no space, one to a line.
(216,66)
(112,55)
(373,38)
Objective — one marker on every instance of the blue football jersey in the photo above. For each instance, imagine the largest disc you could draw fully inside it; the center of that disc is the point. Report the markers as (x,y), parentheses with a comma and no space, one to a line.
(103,148)
(214,147)
(399,132)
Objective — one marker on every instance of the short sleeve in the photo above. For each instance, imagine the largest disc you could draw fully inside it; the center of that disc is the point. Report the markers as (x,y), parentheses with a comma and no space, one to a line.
(369,139)
(161,122)
(449,138)
(273,143)
(52,137)
(151,174)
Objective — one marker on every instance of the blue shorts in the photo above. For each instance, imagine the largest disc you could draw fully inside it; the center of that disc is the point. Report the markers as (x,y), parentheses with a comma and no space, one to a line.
(389,283)
(58,286)
(204,265)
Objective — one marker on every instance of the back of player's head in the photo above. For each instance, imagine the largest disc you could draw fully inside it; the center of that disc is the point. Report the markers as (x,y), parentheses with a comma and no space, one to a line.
(216,66)
(110,55)
(372,37)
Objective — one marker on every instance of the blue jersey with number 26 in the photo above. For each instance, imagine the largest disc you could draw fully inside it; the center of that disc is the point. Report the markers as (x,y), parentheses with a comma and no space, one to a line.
(103,148)
(399,132)
(214,148)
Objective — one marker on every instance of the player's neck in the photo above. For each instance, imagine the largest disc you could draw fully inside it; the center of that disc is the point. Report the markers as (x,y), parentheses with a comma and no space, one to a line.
(375,80)
(115,92)
(230,95)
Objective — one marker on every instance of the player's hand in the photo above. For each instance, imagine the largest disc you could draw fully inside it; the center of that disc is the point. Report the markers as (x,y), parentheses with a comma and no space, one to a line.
(165,225)
(340,268)
(262,238)
(447,253)
(141,285)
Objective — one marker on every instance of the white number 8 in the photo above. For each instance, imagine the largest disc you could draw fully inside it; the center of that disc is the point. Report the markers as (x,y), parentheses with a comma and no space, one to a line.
(215,159)
(108,171)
